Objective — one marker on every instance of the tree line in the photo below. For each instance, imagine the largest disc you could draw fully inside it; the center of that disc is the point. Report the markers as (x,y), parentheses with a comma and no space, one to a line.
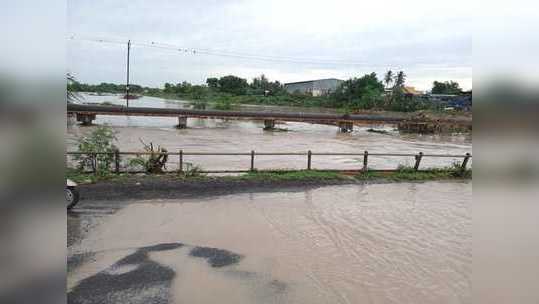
(103,87)
(228,84)
(365,92)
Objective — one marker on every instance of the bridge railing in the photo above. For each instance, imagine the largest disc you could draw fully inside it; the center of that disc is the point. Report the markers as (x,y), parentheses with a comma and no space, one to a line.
(117,156)
(175,112)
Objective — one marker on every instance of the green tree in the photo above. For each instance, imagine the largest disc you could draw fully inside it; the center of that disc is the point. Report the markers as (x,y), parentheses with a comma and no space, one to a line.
(233,85)
(448,87)
(397,91)
(213,83)
(388,78)
(363,92)
(262,83)
(134,88)
(400,80)
(183,88)
(169,88)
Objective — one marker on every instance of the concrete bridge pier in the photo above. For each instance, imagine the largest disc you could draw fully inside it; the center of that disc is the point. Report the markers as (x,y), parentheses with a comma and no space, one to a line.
(269,124)
(182,122)
(346,126)
(85,119)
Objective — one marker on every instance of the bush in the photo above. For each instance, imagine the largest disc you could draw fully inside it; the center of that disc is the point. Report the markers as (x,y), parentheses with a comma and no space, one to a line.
(199,105)
(223,103)
(155,162)
(99,141)
(191,170)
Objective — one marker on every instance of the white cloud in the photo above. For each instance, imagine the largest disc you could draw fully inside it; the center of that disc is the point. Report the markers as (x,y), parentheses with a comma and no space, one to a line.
(430,41)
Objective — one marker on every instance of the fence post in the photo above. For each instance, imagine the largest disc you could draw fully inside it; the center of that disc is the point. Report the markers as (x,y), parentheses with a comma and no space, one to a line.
(465,162)
(309,154)
(181,161)
(252,160)
(365,160)
(117,161)
(418,160)
(94,163)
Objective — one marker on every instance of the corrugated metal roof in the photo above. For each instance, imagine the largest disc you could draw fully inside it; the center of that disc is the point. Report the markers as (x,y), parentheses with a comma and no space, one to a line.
(307,81)
(412,90)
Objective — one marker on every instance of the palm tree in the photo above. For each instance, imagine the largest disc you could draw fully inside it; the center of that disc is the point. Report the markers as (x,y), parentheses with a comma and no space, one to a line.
(397,91)
(388,78)
(400,79)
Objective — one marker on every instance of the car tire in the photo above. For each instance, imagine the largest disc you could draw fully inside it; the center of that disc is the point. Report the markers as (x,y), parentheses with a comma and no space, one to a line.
(72,197)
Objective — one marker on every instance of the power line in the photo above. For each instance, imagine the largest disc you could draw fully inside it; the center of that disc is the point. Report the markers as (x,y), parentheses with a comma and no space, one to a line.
(220,53)
(249,56)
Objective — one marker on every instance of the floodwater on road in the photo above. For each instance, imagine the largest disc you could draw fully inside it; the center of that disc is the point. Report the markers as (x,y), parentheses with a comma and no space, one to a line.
(374,243)
(211,135)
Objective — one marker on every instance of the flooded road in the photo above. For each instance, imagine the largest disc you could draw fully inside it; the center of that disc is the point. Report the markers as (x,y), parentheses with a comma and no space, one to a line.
(206,135)
(373,243)
(378,243)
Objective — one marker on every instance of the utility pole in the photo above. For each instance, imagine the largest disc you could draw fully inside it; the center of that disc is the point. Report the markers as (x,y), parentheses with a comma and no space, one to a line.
(127,84)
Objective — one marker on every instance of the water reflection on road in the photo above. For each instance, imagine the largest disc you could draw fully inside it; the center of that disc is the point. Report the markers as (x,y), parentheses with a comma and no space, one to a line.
(398,243)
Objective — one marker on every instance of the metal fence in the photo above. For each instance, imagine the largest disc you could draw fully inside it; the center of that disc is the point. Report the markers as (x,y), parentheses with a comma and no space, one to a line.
(118,155)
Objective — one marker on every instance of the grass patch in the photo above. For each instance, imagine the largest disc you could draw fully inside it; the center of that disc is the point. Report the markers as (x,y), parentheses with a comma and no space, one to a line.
(410,174)
(81,178)
(90,178)
(272,176)
(403,174)
(299,175)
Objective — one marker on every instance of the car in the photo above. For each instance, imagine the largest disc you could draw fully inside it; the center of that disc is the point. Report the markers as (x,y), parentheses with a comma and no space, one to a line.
(71,193)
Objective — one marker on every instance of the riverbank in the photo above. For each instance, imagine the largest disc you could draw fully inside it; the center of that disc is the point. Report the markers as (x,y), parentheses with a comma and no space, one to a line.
(230,100)
(430,120)
(147,186)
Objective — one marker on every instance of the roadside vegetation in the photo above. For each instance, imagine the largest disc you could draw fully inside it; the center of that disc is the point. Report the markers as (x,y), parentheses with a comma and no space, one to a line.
(312,176)
(277,176)
(97,162)
(297,175)
(404,173)
(101,143)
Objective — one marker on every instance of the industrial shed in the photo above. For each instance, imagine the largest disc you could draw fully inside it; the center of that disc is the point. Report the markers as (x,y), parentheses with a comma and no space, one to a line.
(317,87)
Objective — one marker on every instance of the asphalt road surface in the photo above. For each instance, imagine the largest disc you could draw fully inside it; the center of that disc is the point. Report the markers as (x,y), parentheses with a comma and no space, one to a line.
(153,242)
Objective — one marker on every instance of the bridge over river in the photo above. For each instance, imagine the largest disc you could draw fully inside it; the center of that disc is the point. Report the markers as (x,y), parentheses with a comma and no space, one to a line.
(87,113)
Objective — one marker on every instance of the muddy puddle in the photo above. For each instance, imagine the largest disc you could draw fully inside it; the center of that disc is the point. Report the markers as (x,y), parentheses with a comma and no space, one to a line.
(398,243)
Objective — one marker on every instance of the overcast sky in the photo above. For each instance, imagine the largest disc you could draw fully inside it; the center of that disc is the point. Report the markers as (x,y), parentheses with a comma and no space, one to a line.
(305,40)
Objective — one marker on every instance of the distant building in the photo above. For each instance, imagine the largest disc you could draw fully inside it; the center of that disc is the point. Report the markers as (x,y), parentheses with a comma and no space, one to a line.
(408,92)
(315,87)
(412,92)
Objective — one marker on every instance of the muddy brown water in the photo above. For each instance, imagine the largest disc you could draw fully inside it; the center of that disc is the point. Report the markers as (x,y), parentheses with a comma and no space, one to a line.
(378,243)
(206,135)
